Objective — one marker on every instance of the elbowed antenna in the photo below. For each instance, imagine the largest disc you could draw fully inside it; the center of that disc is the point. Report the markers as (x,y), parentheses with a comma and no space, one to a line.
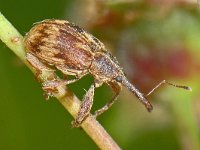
(172,84)
(138,94)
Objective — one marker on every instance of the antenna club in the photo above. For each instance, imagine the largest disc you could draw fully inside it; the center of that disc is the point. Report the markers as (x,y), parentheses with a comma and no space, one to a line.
(188,88)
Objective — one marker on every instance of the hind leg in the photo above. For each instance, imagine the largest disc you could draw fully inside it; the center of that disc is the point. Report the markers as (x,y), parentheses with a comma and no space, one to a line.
(57,82)
(67,71)
(50,85)
(38,66)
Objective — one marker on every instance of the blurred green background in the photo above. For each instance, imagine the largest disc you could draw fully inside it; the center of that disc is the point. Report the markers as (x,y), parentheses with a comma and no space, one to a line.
(153,40)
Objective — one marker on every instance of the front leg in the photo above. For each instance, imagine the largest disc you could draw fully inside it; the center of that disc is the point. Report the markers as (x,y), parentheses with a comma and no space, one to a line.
(85,107)
(116,88)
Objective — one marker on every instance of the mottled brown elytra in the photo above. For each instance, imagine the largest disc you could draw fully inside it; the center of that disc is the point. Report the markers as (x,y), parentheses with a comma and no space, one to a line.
(62,45)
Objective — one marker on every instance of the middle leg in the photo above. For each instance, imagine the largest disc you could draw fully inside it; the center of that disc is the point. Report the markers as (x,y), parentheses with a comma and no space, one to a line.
(85,107)
(86,104)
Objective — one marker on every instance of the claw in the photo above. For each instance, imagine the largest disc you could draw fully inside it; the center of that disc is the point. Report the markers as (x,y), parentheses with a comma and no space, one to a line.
(50,87)
(75,124)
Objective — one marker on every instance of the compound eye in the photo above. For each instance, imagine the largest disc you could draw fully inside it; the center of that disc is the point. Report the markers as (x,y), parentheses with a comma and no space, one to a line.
(118,78)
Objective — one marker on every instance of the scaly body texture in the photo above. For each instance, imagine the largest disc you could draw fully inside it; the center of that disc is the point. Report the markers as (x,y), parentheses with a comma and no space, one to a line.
(62,45)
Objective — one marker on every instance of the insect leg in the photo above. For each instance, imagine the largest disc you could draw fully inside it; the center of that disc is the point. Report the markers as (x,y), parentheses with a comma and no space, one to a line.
(58,82)
(38,65)
(116,89)
(51,85)
(85,107)
(166,82)
(66,71)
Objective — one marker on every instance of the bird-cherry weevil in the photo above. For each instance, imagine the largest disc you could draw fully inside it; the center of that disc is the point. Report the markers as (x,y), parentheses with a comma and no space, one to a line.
(63,45)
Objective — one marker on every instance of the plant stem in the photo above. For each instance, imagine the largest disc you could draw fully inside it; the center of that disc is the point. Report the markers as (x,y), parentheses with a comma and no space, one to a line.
(14,40)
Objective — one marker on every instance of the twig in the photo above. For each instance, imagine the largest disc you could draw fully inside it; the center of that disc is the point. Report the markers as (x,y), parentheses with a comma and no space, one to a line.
(12,38)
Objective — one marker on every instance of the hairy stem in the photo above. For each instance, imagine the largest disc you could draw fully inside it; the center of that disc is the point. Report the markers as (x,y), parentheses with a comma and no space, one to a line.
(14,40)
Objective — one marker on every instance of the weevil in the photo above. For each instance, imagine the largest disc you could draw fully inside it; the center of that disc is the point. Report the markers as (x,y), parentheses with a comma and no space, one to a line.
(63,45)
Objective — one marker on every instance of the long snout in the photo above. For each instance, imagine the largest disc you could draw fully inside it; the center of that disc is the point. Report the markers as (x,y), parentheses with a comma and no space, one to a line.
(138,94)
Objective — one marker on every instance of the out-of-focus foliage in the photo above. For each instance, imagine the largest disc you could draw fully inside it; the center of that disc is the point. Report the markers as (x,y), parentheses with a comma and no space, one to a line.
(153,40)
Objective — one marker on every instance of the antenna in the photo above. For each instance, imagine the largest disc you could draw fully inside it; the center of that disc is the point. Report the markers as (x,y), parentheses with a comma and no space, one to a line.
(171,84)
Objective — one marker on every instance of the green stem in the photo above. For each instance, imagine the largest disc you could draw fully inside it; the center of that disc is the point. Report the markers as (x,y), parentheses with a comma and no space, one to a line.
(14,40)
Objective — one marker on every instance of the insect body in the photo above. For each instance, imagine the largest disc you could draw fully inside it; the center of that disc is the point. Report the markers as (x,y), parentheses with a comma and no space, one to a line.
(68,48)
